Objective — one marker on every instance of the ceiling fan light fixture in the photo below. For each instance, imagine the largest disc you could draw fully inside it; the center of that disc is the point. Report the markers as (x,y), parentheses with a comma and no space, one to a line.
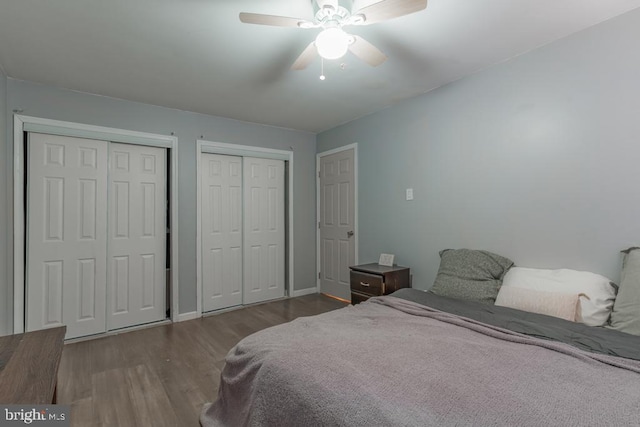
(333,43)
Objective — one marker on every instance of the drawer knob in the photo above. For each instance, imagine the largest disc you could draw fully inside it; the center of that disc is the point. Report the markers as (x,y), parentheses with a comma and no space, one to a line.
(364,284)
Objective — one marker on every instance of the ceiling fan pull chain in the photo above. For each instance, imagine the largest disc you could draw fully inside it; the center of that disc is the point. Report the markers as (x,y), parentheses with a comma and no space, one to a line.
(322,76)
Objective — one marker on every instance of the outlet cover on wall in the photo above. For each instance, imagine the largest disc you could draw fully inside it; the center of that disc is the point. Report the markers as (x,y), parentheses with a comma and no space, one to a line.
(409,193)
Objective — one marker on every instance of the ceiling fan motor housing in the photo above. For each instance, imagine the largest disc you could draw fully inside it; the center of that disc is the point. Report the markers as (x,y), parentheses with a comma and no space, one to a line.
(331,15)
(319,4)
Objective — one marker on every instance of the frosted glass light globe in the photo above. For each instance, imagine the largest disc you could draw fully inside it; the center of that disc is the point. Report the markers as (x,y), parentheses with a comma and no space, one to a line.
(332,43)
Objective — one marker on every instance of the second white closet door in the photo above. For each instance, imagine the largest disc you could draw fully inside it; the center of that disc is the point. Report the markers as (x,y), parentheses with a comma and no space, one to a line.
(221,206)
(264,235)
(137,235)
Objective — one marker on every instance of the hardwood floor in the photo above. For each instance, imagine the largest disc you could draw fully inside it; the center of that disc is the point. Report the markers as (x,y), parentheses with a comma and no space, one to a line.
(162,376)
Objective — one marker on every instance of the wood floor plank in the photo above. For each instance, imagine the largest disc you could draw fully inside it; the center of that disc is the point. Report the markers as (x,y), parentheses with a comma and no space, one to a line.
(112,399)
(105,353)
(148,397)
(186,397)
(163,375)
(135,346)
(82,413)
(75,373)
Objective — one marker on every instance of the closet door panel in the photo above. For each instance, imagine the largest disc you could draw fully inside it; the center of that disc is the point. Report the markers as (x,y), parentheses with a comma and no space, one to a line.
(264,237)
(66,234)
(221,228)
(136,285)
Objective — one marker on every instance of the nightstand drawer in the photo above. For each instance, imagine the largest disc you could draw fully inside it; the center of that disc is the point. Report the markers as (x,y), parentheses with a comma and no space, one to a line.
(357,298)
(366,283)
(372,280)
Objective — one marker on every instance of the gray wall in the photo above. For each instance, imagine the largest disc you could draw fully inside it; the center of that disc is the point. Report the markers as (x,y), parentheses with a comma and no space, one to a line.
(59,104)
(5,302)
(537,159)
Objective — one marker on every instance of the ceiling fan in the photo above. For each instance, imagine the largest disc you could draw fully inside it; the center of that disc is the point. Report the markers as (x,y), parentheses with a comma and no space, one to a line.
(333,42)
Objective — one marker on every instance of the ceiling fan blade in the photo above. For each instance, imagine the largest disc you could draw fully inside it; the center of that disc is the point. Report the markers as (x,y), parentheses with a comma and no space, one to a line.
(367,52)
(277,21)
(306,57)
(388,9)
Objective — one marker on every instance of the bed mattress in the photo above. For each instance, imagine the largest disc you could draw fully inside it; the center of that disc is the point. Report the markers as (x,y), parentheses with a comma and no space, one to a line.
(415,359)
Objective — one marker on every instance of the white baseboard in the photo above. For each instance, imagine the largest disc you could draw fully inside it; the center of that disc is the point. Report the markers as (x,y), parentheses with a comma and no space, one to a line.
(183,317)
(119,331)
(308,291)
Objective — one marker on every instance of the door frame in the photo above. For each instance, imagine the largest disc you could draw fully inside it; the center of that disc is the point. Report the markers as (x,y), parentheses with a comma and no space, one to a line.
(211,147)
(319,156)
(23,124)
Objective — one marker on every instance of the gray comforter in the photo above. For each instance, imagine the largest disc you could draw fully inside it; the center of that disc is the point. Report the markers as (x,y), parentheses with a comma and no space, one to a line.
(392,362)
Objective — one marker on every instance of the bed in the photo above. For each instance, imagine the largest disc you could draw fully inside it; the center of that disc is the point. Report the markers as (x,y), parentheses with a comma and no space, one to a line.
(490,344)
(417,359)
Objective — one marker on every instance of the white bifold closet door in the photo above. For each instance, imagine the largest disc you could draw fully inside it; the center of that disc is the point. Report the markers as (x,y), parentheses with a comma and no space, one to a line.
(242,226)
(66,234)
(96,245)
(137,235)
(263,230)
(221,204)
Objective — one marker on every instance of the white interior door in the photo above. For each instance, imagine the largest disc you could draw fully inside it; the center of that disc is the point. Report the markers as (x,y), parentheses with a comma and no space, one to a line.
(264,232)
(221,228)
(66,234)
(337,222)
(137,235)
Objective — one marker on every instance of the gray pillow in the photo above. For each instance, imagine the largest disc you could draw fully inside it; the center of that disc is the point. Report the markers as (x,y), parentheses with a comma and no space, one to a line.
(625,316)
(470,274)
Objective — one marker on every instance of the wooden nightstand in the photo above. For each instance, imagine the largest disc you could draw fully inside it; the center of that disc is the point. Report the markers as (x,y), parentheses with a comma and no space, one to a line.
(372,280)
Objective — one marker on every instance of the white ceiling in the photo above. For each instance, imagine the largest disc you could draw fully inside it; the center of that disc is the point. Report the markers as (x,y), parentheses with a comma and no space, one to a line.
(196,55)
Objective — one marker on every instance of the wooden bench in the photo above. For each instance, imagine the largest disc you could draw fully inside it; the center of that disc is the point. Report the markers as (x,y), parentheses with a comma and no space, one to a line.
(29,366)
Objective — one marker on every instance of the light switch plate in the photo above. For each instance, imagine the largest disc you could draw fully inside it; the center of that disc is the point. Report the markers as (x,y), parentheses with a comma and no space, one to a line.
(409,193)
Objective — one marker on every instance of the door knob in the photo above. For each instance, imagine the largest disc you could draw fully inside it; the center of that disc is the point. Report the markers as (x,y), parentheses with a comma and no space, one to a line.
(350,233)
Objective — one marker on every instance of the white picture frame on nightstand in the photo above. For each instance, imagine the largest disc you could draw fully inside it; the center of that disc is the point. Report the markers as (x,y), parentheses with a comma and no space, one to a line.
(386,260)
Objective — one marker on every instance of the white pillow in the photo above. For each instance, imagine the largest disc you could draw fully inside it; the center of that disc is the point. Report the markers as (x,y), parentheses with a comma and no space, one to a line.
(594,308)
(556,304)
